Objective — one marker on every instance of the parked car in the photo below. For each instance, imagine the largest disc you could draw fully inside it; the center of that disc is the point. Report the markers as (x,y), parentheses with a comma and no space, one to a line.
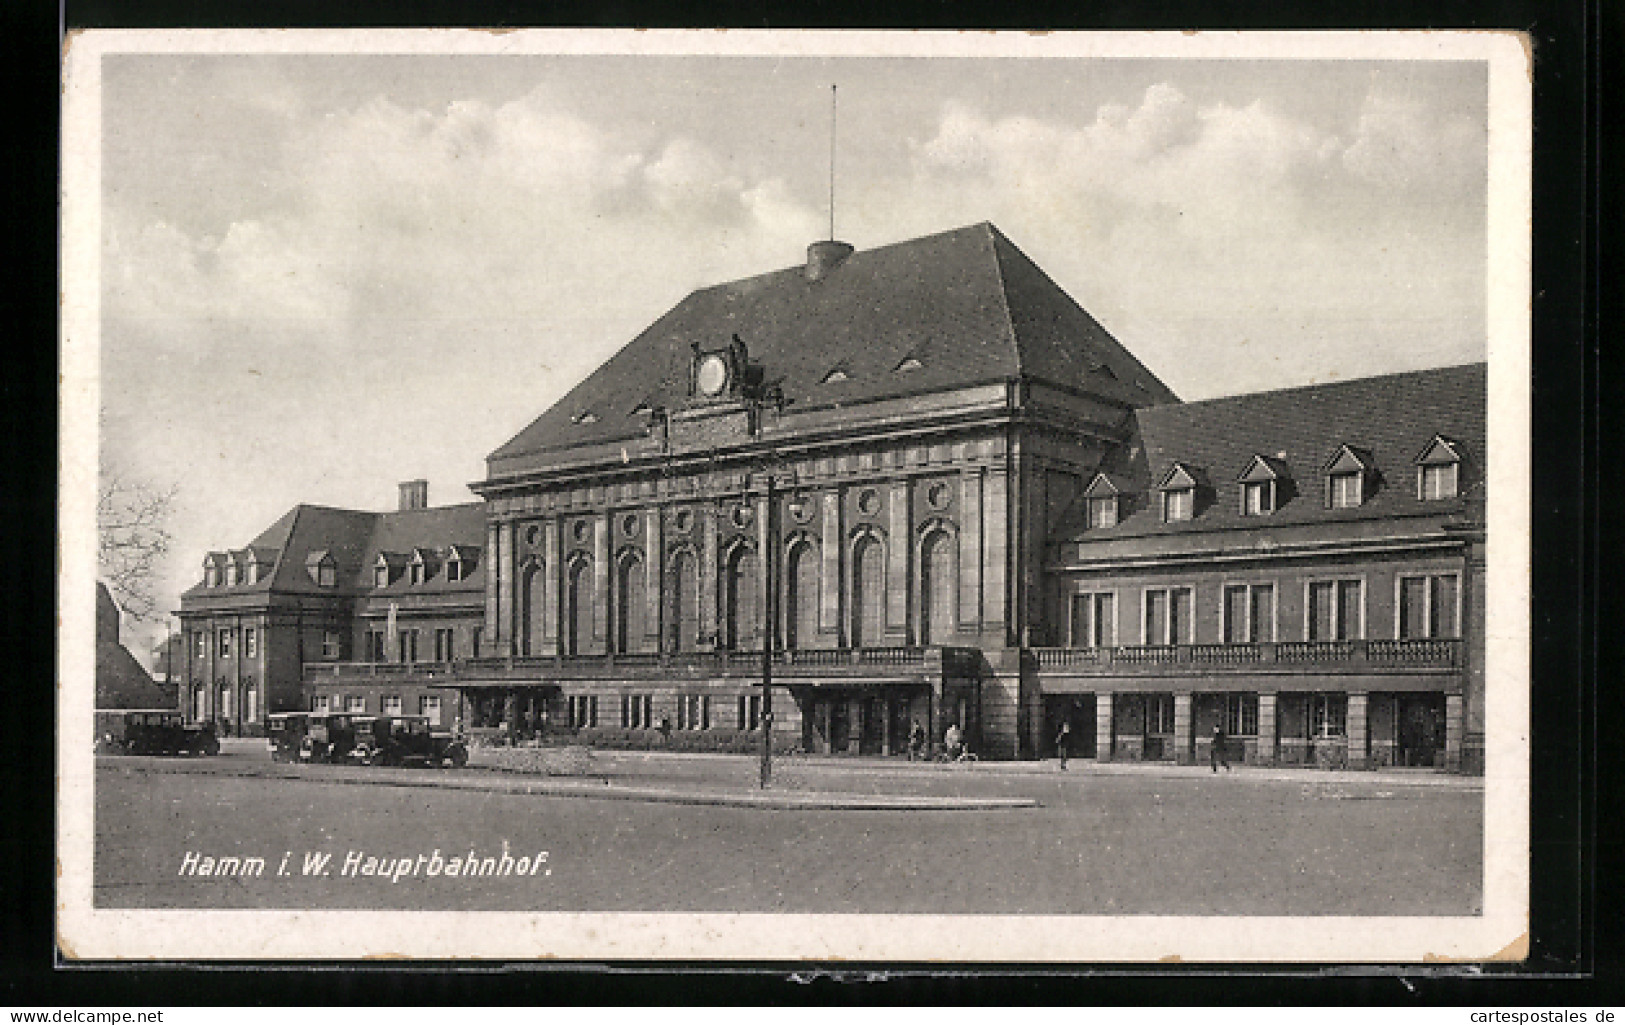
(285,734)
(407,739)
(330,738)
(167,733)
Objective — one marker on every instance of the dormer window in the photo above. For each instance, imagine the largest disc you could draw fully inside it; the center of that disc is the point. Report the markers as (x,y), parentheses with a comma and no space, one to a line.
(1178,488)
(322,569)
(1101,499)
(454,570)
(909,363)
(380,575)
(211,572)
(1438,470)
(1346,474)
(252,569)
(418,570)
(586,416)
(835,376)
(1178,504)
(1263,486)
(234,573)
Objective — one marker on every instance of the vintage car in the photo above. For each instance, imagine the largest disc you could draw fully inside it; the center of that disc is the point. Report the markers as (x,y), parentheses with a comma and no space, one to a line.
(407,740)
(285,734)
(167,733)
(331,738)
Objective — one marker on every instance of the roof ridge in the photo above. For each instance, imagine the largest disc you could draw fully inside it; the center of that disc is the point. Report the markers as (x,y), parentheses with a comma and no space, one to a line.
(1289,389)
(993,234)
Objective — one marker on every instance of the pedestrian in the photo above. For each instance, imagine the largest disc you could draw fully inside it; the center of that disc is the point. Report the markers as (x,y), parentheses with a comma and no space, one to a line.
(1217,755)
(952,740)
(1061,740)
(916,741)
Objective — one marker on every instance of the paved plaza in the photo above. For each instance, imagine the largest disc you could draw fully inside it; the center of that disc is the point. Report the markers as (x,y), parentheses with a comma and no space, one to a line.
(690,834)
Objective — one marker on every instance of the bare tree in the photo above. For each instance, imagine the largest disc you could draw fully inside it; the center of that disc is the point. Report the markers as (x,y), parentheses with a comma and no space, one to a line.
(133,520)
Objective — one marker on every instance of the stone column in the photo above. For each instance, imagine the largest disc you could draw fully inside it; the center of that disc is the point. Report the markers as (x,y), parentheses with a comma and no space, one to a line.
(970,550)
(602,581)
(505,588)
(854,725)
(899,552)
(831,560)
(1182,728)
(492,629)
(1103,727)
(552,585)
(764,555)
(654,565)
(996,550)
(1266,729)
(1356,727)
(709,596)
(1454,721)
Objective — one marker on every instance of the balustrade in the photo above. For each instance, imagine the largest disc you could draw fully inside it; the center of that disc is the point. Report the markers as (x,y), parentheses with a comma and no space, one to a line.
(1429,653)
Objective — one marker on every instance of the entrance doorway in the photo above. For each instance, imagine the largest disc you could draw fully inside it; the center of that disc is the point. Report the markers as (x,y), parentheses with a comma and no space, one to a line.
(1421,729)
(1078,712)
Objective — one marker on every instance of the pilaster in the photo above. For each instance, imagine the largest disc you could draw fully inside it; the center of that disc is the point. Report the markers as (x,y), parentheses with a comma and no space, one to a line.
(832,558)
(654,565)
(899,551)
(1454,723)
(996,551)
(970,550)
(1266,729)
(1182,728)
(602,578)
(710,596)
(552,585)
(492,628)
(1356,725)
(1104,706)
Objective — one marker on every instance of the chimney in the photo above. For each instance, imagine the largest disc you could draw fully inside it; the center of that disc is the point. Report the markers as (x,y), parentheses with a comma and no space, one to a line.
(823,257)
(414,494)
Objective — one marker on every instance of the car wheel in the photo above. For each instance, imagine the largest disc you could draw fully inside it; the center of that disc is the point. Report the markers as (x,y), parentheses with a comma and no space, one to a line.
(459,758)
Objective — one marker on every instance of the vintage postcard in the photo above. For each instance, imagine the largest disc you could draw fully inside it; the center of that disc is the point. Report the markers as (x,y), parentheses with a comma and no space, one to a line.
(795,496)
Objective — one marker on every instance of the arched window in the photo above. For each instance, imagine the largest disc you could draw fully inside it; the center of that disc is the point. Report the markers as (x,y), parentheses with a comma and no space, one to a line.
(938,583)
(683,602)
(578,601)
(800,595)
(532,608)
(629,604)
(742,626)
(868,591)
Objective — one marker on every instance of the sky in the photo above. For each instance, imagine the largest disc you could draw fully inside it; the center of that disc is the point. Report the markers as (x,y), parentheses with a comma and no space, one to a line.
(322,274)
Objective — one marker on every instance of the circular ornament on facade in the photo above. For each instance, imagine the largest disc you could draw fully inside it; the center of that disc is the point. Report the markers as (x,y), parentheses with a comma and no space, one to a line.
(629,524)
(683,521)
(533,535)
(938,495)
(739,516)
(580,530)
(712,375)
(801,510)
(868,501)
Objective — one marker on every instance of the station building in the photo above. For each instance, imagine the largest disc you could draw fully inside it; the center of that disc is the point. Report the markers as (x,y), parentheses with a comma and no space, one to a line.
(946,495)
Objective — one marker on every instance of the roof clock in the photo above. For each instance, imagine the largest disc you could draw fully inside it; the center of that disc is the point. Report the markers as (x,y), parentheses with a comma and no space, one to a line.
(723,373)
(711,375)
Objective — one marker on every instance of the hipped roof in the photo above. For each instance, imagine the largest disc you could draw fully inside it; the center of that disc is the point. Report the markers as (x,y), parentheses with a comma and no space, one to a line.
(967,304)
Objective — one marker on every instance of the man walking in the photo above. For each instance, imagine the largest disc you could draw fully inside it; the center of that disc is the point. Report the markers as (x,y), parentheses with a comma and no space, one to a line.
(1217,755)
(1061,740)
(916,742)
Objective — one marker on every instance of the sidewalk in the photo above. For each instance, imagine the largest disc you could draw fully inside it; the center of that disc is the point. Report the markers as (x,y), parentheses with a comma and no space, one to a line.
(1077,768)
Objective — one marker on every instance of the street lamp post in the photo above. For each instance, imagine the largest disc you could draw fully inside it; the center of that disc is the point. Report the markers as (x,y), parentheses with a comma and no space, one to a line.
(768,571)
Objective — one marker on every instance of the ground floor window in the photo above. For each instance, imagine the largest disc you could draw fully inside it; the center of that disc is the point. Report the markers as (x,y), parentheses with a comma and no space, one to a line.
(637,711)
(355,703)
(750,711)
(583,711)
(693,711)
(429,705)
(1241,715)
(320,704)
(391,704)
(1328,715)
